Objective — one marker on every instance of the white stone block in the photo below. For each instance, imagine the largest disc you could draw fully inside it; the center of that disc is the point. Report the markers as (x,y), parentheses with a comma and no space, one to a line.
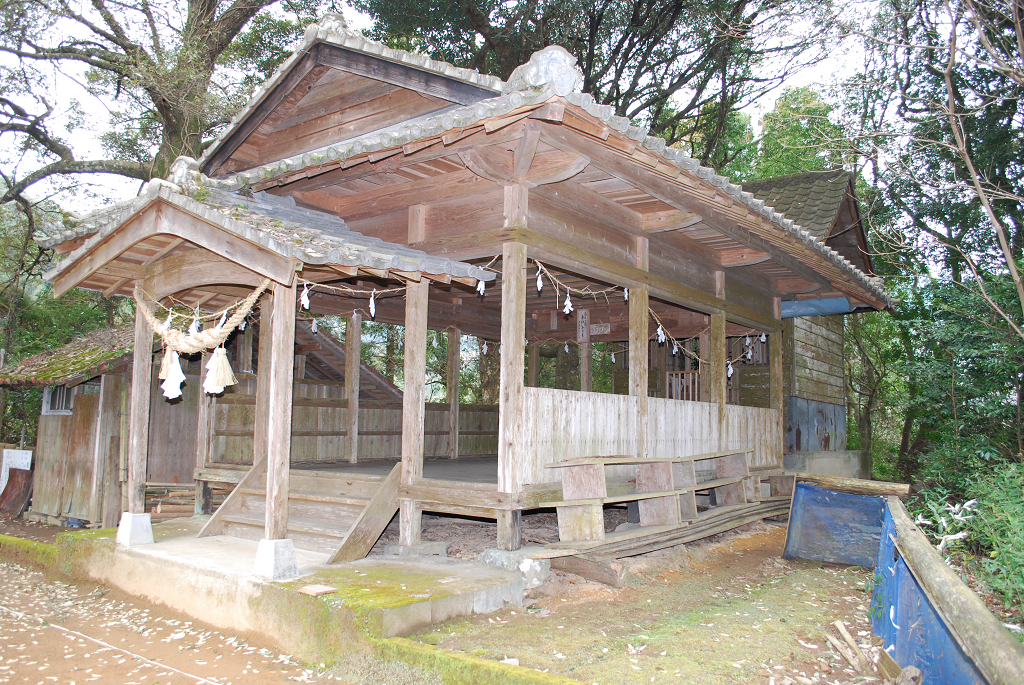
(275,560)
(134,529)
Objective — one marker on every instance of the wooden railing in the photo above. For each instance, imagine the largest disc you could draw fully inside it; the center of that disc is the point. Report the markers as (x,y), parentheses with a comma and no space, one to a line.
(683,385)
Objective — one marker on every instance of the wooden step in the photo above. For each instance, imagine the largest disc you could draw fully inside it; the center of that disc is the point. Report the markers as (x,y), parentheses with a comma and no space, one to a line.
(307,535)
(333,516)
(310,497)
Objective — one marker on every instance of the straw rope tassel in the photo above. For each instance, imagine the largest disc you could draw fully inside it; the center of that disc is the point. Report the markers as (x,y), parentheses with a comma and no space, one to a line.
(218,373)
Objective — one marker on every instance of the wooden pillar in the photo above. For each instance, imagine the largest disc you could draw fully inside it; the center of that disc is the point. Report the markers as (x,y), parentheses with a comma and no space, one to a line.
(586,351)
(716,379)
(138,448)
(279,419)
(775,347)
(245,353)
(300,367)
(454,371)
(512,459)
(204,427)
(413,404)
(638,362)
(353,364)
(259,438)
(533,365)
(704,370)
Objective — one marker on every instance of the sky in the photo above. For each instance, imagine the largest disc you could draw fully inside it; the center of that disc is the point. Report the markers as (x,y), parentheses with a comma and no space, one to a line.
(98,190)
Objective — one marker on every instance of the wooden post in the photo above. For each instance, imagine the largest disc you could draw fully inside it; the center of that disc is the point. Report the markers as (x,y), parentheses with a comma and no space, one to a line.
(259,438)
(279,420)
(638,362)
(586,351)
(300,367)
(353,359)
(138,450)
(717,379)
(533,365)
(775,371)
(512,459)
(246,350)
(704,370)
(413,404)
(454,370)
(204,425)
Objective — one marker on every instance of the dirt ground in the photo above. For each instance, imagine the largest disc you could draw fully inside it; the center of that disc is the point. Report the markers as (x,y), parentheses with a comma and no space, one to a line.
(723,610)
(30,530)
(54,632)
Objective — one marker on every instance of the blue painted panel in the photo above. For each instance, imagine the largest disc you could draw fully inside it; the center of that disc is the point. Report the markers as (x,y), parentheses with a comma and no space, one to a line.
(911,629)
(813,426)
(823,306)
(834,526)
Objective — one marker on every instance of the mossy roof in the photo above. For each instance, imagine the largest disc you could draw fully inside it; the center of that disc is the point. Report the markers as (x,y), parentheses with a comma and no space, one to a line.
(98,352)
(810,199)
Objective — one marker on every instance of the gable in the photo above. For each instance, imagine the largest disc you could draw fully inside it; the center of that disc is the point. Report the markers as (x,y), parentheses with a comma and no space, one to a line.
(328,92)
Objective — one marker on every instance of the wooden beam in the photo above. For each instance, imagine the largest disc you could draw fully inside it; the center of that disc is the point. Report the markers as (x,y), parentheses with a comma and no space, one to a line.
(592,265)
(413,404)
(586,350)
(279,420)
(512,458)
(716,379)
(671,193)
(353,357)
(402,75)
(670,220)
(142,378)
(300,366)
(245,352)
(454,369)
(522,159)
(160,218)
(417,223)
(164,251)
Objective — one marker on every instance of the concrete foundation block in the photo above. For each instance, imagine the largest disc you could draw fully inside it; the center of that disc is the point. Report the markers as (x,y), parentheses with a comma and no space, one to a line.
(275,560)
(134,529)
(424,549)
(534,572)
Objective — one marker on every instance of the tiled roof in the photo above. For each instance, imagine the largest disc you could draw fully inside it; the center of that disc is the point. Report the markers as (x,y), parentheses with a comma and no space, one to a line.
(80,359)
(811,199)
(274,222)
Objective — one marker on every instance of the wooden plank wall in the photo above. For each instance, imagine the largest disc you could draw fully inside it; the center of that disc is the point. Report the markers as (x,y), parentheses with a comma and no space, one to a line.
(563,424)
(817,359)
(76,499)
(172,431)
(753,382)
(319,426)
(48,476)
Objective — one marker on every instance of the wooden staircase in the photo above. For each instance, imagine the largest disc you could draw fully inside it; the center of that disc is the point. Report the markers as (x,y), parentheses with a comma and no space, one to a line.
(341,515)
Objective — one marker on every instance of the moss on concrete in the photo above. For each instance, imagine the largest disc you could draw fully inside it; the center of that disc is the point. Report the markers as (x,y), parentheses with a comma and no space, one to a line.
(28,552)
(377,587)
(458,668)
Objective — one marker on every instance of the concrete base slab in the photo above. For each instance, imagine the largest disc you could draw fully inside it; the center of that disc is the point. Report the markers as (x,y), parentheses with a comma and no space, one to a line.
(424,549)
(534,572)
(134,529)
(849,464)
(275,560)
(212,579)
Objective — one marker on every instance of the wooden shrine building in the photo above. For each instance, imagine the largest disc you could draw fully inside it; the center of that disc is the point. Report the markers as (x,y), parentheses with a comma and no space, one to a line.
(377,183)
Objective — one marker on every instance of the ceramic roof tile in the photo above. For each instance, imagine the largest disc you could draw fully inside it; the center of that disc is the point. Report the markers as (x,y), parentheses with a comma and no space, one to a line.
(86,357)
(810,199)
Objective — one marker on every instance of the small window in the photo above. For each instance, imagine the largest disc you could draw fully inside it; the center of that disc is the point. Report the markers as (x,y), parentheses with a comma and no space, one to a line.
(57,400)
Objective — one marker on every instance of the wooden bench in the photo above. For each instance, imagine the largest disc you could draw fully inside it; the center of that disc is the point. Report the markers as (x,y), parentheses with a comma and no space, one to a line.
(665,490)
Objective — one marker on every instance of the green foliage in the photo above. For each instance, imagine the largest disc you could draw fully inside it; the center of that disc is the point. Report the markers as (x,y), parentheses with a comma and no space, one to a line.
(999,531)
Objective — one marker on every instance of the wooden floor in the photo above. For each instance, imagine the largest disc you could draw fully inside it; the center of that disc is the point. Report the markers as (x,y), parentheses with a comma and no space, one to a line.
(468,470)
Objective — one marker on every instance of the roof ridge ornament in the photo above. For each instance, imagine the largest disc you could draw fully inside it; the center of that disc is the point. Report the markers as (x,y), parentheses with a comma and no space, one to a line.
(331,22)
(554,67)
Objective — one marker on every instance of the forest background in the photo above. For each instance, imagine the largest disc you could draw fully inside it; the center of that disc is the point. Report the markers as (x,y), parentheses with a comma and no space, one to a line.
(929,121)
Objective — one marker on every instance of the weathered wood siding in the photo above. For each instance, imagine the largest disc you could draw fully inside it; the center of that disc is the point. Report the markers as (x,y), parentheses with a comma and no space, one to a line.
(173,425)
(319,420)
(563,424)
(679,428)
(753,383)
(48,474)
(814,359)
